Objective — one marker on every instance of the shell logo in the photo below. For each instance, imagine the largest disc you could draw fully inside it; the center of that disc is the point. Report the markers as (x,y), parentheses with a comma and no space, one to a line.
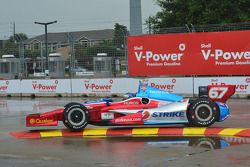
(145,115)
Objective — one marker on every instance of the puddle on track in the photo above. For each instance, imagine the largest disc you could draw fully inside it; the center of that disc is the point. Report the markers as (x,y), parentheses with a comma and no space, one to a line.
(150,150)
(123,151)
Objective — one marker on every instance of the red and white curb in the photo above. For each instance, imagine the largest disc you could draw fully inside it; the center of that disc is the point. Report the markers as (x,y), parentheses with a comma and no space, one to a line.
(133,132)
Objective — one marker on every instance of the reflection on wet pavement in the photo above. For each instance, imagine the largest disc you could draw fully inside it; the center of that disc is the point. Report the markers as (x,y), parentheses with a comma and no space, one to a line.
(96,143)
(122,149)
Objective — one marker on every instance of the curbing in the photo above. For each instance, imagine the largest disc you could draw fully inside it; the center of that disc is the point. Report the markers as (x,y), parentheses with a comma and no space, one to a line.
(133,132)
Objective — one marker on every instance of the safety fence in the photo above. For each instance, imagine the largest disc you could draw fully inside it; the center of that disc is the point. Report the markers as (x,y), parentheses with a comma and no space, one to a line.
(187,86)
(77,59)
(204,28)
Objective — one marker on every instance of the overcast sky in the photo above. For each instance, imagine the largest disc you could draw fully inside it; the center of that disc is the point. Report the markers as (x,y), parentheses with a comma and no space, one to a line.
(72,15)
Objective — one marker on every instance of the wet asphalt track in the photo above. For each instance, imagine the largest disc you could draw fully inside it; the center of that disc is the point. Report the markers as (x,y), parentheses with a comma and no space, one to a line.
(117,152)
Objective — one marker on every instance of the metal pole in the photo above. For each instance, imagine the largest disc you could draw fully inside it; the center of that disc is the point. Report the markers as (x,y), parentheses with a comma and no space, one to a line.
(46,41)
(42,64)
(46,48)
(125,50)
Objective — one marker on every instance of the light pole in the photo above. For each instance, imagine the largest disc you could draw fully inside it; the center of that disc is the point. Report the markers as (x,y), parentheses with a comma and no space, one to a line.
(46,41)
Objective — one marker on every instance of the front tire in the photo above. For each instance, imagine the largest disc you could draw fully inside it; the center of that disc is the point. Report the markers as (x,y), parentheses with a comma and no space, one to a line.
(75,116)
(202,113)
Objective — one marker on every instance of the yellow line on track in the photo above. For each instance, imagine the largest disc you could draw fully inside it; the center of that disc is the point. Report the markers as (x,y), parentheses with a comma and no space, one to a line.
(95,132)
(193,131)
(230,131)
(52,133)
(145,131)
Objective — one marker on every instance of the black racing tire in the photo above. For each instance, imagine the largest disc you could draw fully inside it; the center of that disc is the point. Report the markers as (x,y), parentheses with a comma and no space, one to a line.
(202,112)
(75,116)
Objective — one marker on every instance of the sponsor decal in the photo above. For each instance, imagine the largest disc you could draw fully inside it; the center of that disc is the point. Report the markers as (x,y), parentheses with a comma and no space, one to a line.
(94,87)
(127,120)
(207,53)
(45,88)
(40,121)
(107,116)
(145,115)
(4,86)
(224,57)
(240,87)
(167,87)
(165,58)
(167,114)
(131,102)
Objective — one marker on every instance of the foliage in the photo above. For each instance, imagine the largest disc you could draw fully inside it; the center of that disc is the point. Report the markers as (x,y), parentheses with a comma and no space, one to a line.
(176,13)
(11,48)
(120,35)
(30,53)
(13,43)
(18,37)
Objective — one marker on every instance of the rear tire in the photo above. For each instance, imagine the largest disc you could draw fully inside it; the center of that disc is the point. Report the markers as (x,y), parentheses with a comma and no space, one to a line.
(75,116)
(203,113)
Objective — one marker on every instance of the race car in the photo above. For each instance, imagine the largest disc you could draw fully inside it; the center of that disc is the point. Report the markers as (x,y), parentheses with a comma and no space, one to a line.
(148,106)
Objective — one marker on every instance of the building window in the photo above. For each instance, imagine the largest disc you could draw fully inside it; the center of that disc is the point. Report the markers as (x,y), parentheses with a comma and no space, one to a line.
(84,43)
(4,67)
(36,46)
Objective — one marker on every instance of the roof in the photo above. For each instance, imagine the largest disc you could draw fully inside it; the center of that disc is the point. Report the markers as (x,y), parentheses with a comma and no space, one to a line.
(64,37)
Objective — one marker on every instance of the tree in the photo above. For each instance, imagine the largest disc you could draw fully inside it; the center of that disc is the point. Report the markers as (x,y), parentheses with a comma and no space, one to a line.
(176,13)
(12,45)
(18,37)
(120,35)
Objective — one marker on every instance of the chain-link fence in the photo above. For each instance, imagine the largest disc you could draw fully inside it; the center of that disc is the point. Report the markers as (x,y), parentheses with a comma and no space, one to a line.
(81,58)
(100,58)
(204,28)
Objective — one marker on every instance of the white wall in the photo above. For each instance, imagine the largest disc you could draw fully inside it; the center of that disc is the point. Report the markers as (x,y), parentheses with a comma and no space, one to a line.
(179,85)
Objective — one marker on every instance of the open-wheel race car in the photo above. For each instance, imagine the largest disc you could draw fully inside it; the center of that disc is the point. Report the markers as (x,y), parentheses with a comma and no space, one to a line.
(148,106)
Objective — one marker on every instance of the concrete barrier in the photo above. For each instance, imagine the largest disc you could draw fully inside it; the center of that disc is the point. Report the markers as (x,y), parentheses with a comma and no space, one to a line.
(187,86)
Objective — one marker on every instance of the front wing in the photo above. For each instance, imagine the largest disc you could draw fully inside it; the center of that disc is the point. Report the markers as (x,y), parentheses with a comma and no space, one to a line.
(50,118)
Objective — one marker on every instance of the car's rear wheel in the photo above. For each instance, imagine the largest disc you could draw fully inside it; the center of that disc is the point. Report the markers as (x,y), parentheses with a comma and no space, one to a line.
(75,116)
(202,112)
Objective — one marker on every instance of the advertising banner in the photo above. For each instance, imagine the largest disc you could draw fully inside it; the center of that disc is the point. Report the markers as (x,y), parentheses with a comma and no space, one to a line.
(105,86)
(108,86)
(46,86)
(173,85)
(242,83)
(206,53)
(124,85)
(10,86)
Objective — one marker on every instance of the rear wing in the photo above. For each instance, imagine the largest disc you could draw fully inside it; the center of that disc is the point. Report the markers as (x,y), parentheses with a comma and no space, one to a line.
(220,93)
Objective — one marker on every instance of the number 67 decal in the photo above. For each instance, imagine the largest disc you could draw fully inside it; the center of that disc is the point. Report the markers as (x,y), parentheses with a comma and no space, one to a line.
(220,93)
(217,92)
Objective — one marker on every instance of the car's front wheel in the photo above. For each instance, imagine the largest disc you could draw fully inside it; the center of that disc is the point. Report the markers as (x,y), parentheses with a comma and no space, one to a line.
(202,112)
(75,116)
